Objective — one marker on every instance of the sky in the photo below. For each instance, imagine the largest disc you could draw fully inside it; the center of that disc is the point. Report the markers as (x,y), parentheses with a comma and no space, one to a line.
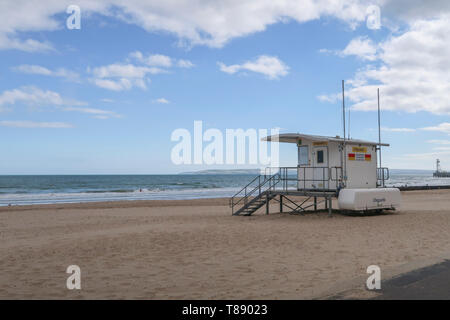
(106,97)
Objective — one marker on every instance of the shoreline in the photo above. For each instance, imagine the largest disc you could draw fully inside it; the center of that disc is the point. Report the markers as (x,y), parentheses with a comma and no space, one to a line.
(95,197)
(121,202)
(118,204)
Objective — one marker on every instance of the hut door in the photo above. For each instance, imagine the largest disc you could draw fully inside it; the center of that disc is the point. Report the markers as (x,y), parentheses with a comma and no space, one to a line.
(320,155)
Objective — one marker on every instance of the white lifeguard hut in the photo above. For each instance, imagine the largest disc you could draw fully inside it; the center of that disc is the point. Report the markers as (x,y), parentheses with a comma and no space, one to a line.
(327,168)
(322,163)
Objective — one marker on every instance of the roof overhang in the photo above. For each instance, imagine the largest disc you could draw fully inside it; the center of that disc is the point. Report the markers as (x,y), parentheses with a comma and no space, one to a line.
(296,137)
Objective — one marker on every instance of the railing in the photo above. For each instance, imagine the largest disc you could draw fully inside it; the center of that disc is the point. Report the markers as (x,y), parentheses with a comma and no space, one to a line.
(308,178)
(382,176)
(320,179)
(254,188)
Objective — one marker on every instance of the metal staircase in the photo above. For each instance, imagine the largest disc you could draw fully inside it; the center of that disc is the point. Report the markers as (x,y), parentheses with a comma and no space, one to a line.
(254,195)
(255,204)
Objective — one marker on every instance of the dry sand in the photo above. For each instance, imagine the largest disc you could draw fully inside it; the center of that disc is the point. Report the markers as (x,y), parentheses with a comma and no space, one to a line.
(195,249)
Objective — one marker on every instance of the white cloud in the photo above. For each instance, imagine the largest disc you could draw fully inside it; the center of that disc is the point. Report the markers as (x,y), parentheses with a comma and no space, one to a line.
(412,71)
(442,148)
(218,22)
(154,60)
(194,22)
(115,85)
(160,60)
(162,100)
(332,98)
(410,10)
(117,70)
(35,97)
(443,127)
(361,47)
(32,69)
(28,45)
(397,129)
(36,69)
(97,113)
(185,63)
(19,16)
(439,141)
(229,69)
(271,67)
(124,76)
(120,77)
(137,55)
(429,157)
(107,100)
(32,124)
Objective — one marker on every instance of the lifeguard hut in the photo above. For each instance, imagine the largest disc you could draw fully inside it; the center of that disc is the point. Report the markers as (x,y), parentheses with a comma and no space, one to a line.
(327,168)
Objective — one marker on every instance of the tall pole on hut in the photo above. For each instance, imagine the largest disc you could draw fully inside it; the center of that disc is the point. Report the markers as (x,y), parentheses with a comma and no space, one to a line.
(379,135)
(343,125)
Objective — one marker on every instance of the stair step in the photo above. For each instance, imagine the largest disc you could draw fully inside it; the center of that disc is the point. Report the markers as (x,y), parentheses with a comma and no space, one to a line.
(254,205)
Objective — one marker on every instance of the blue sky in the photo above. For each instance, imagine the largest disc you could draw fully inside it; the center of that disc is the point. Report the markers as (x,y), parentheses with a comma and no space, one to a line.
(106,98)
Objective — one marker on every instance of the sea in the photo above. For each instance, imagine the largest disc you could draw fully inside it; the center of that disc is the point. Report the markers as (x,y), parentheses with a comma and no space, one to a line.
(47,189)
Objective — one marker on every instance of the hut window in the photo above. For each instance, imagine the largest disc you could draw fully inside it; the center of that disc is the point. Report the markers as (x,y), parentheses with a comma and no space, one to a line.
(320,156)
(303,155)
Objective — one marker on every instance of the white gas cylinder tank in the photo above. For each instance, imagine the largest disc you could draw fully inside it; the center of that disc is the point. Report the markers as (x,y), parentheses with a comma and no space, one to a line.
(369,199)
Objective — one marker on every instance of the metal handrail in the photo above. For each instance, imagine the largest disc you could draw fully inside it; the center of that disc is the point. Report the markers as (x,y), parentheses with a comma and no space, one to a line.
(283,175)
(326,176)
(248,184)
(382,176)
(272,183)
(383,172)
(329,174)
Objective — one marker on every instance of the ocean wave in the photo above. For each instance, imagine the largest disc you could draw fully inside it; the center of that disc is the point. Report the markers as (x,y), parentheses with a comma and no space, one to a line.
(144,194)
(113,191)
(61,189)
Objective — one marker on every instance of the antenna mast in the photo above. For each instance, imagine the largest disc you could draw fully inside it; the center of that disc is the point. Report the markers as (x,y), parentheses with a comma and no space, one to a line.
(343,109)
(379,126)
(344,151)
(348,126)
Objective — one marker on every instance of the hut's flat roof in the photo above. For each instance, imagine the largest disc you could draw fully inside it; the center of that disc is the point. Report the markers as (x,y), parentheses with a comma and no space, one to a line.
(294,137)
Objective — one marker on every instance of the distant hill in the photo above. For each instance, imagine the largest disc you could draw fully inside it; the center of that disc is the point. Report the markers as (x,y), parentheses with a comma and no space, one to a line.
(258,171)
(224,171)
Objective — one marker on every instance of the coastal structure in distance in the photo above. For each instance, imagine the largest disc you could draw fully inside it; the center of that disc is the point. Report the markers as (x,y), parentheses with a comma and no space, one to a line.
(439,173)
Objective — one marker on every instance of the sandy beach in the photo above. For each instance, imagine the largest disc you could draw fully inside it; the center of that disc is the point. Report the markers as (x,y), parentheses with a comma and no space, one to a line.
(194,249)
